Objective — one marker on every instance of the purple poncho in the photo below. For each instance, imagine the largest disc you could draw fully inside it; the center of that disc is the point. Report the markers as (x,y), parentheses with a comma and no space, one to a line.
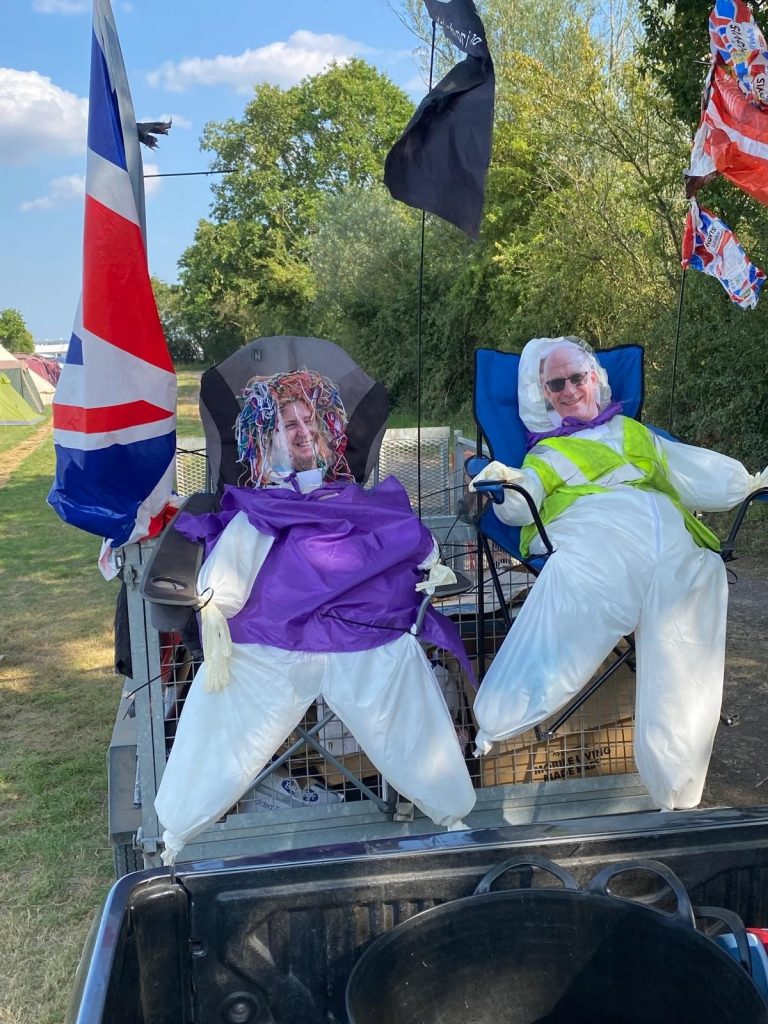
(342,571)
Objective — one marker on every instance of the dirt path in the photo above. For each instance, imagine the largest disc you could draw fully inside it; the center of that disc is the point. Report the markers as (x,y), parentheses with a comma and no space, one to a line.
(13,457)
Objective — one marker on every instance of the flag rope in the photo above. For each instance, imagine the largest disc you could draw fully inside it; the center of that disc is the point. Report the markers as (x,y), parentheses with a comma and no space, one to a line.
(670,418)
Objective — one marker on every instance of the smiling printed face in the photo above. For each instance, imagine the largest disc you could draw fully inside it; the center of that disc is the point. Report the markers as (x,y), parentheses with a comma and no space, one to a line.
(300,430)
(570,386)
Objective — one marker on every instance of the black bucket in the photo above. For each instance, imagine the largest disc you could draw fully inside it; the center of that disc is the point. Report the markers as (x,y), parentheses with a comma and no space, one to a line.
(554,956)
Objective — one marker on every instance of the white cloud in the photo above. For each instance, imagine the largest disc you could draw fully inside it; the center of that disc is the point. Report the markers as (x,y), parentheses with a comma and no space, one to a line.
(62,190)
(284,64)
(61,6)
(37,118)
(71,187)
(177,120)
(151,185)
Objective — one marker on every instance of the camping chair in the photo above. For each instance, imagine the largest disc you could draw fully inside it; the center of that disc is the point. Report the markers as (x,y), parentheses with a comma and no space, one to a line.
(170,578)
(502,432)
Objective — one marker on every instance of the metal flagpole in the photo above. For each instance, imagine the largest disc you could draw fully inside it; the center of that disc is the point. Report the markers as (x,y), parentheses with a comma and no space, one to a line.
(418,313)
(674,351)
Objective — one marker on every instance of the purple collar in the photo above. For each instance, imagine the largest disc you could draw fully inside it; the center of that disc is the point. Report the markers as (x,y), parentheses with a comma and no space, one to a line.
(571,425)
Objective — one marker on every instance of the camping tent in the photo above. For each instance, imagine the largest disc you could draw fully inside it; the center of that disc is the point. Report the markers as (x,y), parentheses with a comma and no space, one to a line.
(43,373)
(14,411)
(20,378)
(44,366)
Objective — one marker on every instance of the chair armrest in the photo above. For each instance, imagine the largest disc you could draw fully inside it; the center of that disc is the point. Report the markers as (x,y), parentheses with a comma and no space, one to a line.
(728,546)
(171,573)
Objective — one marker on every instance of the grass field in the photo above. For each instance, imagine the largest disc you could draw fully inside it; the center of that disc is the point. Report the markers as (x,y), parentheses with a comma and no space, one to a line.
(58,696)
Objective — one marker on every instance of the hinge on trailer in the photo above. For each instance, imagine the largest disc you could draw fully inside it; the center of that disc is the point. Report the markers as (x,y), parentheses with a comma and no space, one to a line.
(130,575)
(404,811)
(146,843)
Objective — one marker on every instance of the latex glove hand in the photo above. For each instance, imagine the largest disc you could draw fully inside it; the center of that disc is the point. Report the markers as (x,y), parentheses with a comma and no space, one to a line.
(497,471)
(439,575)
(758,480)
(217,647)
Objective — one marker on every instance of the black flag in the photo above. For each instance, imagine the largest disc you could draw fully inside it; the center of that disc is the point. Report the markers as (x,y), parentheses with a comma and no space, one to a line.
(440,162)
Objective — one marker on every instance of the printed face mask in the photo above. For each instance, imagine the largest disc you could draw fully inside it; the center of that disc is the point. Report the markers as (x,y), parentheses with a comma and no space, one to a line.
(291,422)
(560,379)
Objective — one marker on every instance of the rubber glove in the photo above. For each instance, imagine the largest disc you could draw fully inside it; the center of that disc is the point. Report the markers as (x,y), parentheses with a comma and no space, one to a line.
(439,574)
(498,472)
(217,647)
(758,480)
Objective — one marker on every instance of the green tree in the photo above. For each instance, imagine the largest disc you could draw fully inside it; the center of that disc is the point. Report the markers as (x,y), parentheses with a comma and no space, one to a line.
(247,272)
(13,332)
(182,345)
(675,50)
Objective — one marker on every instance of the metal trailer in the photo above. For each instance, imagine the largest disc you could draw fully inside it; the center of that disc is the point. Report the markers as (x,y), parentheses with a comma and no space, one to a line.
(320,788)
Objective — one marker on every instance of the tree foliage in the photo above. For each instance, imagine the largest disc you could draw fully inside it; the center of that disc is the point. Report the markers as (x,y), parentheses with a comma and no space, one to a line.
(14,334)
(581,232)
(183,347)
(246,272)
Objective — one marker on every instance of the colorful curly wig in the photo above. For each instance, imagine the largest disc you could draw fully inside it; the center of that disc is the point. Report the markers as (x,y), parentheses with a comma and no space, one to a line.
(255,428)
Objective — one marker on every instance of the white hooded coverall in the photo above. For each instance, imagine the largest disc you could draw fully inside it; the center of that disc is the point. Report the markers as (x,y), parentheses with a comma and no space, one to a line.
(624,562)
(388,697)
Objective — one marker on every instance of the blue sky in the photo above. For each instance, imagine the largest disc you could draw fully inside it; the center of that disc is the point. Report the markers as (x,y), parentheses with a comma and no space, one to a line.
(194,60)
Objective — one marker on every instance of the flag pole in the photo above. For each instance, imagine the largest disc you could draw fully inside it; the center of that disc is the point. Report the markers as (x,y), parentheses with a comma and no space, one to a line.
(419,301)
(674,351)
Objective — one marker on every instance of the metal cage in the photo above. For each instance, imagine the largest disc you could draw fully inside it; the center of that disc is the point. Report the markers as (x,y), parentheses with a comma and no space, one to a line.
(320,787)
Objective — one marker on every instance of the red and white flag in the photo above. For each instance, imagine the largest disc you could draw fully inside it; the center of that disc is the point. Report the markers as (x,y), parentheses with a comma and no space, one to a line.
(732,140)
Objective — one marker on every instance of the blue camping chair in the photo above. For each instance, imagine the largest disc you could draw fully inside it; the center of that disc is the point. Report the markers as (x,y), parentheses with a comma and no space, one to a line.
(501,431)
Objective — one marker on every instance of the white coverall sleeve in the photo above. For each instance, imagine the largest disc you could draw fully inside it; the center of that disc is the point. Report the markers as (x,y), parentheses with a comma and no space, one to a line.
(224,583)
(705,480)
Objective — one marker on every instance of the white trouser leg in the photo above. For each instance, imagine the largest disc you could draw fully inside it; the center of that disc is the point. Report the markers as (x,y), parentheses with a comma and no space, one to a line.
(680,659)
(391,702)
(587,597)
(225,738)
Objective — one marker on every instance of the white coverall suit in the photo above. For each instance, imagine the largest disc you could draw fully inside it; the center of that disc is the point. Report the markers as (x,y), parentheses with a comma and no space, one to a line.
(624,562)
(388,697)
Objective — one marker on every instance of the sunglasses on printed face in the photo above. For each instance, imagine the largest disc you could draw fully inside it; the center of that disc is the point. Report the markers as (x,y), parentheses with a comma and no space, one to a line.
(557,384)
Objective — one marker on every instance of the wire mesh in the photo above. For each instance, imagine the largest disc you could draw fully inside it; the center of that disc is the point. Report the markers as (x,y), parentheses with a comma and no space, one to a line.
(398,457)
(192,474)
(596,740)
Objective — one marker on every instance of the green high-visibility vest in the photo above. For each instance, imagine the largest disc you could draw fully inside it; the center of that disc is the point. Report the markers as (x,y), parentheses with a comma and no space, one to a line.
(592,460)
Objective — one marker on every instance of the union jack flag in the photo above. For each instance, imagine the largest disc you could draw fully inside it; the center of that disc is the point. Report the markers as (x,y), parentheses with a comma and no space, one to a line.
(710,246)
(114,412)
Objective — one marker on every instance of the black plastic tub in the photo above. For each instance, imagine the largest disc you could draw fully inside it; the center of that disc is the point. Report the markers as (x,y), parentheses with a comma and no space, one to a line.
(554,956)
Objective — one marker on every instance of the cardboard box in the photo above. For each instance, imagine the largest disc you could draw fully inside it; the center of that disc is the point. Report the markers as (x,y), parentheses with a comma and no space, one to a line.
(578,754)
(357,763)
